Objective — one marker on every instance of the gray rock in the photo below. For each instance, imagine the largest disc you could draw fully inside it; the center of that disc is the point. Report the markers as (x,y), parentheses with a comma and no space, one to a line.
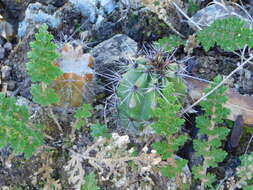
(101,19)
(56,3)
(2,41)
(247,86)
(87,8)
(108,6)
(12,10)
(131,4)
(2,52)
(111,54)
(18,57)
(8,46)
(7,30)
(99,23)
(11,85)
(209,14)
(6,72)
(140,25)
(32,107)
(93,8)
(35,14)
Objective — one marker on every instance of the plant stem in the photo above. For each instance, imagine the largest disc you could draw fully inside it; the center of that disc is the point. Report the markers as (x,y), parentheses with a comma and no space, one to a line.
(51,113)
(205,164)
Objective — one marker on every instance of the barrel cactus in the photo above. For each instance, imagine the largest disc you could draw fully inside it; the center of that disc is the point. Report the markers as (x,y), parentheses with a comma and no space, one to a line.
(75,85)
(142,84)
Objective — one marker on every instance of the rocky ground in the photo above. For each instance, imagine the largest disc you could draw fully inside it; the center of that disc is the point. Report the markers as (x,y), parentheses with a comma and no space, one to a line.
(113,32)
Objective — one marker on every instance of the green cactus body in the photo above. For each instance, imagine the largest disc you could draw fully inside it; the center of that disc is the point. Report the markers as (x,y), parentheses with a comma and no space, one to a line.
(139,88)
(135,100)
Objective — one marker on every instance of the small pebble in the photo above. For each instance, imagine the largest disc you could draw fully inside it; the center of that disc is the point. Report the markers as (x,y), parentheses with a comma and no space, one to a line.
(2,41)
(11,85)
(2,52)
(6,72)
(8,46)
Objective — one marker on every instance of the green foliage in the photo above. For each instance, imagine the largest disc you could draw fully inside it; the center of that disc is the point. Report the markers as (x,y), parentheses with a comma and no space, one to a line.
(41,67)
(44,96)
(167,122)
(168,125)
(42,57)
(245,171)
(19,188)
(169,43)
(229,33)
(98,130)
(170,171)
(250,187)
(140,86)
(82,114)
(193,7)
(90,182)
(14,128)
(209,124)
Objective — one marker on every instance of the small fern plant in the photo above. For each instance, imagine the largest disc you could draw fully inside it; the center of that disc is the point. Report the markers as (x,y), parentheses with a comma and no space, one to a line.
(230,34)
(15,128)
(168,124)
(169,43)
(209,125)
(42,69)
(244,172)
(90,182)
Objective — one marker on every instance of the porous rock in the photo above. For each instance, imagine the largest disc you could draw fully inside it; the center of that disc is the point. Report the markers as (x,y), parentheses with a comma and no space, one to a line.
(140,25)
(206,16)
(108,6)
(5,72)
(13,10)
(18,57)
(56,3)
(37,13)
(7,30)
(8,46)
(110,54)
(87,8)
(2,52)
(92,8)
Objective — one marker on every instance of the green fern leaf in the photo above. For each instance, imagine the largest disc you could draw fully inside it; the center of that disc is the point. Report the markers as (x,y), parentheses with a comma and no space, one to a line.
(44,96)
(230,34)
(41,67)
(14,128)
(90,182)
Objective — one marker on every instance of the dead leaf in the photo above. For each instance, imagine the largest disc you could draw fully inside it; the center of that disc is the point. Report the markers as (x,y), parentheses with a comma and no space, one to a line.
(237,132)
(237,103)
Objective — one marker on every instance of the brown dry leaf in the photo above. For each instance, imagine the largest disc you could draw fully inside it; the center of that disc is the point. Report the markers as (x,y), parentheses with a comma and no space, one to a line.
(237,103)
(46,172)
